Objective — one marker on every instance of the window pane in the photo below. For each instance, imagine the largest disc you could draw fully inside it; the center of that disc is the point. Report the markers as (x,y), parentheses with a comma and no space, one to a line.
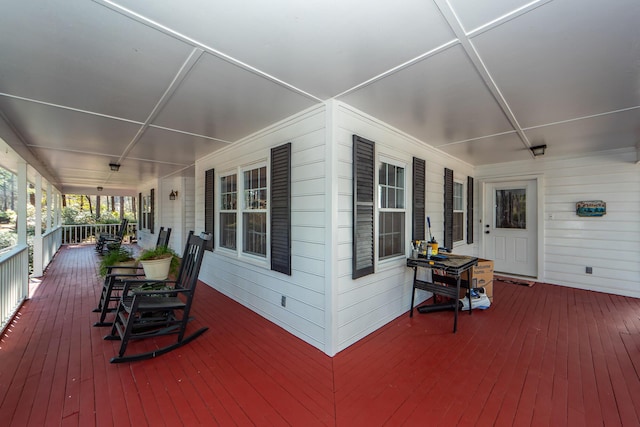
(458,228)
(391,236)
(382,178)
(228,230)
(511,208)
(391,175)
(255,233)
(255,189)
(458,196)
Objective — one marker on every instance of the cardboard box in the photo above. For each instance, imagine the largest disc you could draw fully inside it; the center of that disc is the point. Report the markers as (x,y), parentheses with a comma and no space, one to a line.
(482,276)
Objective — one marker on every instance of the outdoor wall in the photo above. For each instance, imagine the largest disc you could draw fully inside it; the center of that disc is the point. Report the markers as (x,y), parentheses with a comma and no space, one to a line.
(366,304)
(252,282)
(179,214)
(609,244)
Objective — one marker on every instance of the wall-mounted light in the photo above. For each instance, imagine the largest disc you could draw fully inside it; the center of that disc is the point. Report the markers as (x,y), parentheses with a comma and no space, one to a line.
(115,167)
(99,188)
(173,195)
(538,150)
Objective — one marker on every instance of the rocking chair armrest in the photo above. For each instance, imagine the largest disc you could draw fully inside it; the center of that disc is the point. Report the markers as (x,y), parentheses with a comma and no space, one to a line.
(128,267)
(158,292)
(131,285)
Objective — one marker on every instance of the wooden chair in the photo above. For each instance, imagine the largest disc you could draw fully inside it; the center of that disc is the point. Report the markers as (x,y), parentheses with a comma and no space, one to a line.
(114,283)
(160,307)
(108,241)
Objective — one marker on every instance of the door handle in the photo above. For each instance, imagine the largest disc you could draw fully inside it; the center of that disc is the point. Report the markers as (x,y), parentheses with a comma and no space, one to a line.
(487,232)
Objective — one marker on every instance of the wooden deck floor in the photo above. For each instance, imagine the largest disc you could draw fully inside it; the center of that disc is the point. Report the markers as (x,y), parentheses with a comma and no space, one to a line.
(544,355)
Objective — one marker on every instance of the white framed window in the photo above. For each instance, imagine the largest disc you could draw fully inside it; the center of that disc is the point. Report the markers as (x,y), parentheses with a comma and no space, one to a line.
(146,212)
(391,210)
(255,192)
(228,211)
(458,211)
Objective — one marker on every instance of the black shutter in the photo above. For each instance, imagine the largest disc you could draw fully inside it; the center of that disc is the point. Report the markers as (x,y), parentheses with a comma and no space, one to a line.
(469,209)
(448,208)
(140,213)
(418,215)
(152,216)
(281,209)
(209,215)
(363,207)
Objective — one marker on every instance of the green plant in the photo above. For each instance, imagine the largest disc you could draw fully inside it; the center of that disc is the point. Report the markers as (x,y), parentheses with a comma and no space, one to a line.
(160,252)
(113,257)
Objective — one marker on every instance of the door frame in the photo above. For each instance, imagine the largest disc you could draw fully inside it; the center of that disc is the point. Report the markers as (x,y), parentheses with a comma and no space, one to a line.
(539,178)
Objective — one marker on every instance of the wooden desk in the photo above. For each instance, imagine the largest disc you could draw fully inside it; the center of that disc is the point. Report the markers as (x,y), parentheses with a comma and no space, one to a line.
(447,285)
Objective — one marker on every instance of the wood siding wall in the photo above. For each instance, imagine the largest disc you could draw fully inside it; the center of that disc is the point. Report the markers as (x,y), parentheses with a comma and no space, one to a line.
(367,303)
(252,282)
(610,244)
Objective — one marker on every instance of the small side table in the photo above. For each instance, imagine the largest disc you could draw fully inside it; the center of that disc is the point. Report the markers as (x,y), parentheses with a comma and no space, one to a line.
(449,286)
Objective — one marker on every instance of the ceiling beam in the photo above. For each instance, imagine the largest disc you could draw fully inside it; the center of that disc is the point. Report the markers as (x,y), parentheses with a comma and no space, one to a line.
(465,41)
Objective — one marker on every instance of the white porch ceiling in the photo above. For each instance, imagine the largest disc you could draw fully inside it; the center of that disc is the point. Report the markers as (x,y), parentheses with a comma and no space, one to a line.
(156,85)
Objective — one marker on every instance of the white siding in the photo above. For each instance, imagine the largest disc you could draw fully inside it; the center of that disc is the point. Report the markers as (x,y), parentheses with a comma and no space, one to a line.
(366,304)
(252,283)
(610,244)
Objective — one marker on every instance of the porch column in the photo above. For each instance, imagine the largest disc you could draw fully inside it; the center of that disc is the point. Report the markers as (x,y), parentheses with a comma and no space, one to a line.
(37,238)
(21,218)
(21,223)
(49,206)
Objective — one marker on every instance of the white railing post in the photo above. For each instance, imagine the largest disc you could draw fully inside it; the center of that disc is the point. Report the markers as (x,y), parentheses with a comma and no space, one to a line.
(37,238)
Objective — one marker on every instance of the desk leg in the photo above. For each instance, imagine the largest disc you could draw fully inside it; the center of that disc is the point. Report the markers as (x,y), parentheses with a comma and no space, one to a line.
(413,290)
(456,305)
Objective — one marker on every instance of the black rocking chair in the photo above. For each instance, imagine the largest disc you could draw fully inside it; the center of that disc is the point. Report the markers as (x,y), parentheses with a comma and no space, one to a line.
(112,241)
(114,283)
(159,307)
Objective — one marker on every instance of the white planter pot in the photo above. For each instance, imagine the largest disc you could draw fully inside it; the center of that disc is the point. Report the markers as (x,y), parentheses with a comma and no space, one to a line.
(156,269)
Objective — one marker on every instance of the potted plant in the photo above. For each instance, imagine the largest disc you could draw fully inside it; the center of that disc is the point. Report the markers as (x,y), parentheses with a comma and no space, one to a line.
(117,257)
(159,262)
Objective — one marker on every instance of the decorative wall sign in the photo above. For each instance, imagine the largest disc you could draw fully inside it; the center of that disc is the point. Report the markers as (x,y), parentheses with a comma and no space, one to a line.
(591,208)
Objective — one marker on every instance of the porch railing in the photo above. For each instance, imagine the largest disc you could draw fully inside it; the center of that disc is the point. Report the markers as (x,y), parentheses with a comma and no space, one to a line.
(87,233)
(14,282)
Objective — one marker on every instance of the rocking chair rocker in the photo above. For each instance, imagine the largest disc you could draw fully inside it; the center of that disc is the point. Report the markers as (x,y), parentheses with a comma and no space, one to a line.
(114,283)
(144,311)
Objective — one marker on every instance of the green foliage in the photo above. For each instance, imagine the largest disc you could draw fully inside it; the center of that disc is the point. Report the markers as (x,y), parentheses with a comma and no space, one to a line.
(7,216)
(114,256)
(8,239)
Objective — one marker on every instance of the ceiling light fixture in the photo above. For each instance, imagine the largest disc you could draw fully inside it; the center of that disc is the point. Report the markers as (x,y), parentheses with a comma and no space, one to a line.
(115,167)
(173,195)
(538,150)
(99,188)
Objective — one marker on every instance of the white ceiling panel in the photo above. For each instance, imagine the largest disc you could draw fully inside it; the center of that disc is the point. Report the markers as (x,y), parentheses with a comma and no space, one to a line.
(474,14)
(599,133)
(46,126)
(479,80)
(74,166)
(173,147)
(321,46)
(80,54)
(220,100)
(485,151)
(438,100)
(566,59)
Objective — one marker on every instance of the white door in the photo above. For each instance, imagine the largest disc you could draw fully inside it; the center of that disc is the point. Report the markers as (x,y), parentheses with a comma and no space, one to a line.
(511,227)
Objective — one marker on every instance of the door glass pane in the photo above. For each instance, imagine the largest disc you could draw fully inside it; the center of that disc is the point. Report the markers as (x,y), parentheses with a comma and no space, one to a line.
(511,208)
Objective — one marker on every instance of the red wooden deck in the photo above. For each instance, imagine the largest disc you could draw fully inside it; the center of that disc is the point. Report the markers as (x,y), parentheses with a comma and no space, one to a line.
(544,355)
